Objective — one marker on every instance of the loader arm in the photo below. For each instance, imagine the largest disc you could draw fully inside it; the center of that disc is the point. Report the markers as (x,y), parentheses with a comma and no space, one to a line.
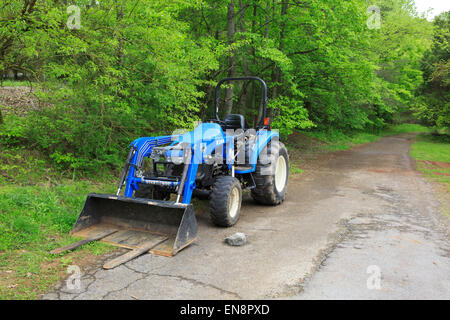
(142,148)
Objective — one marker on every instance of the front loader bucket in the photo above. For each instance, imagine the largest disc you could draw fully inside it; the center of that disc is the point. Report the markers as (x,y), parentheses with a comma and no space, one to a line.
(136,223)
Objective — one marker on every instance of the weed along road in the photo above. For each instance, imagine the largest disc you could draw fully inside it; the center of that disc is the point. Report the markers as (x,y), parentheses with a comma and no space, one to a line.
(356,224)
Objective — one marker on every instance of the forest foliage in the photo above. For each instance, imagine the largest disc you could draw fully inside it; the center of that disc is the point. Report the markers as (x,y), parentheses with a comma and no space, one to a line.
(109,71)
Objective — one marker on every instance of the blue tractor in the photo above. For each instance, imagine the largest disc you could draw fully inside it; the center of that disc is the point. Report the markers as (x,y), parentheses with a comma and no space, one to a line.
(215,161)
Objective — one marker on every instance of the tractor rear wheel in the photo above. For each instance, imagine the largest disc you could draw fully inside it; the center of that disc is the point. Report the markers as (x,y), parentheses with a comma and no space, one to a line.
(271,175)
(225,203)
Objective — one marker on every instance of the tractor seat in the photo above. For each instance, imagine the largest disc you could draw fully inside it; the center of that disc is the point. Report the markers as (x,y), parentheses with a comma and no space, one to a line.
(235,121)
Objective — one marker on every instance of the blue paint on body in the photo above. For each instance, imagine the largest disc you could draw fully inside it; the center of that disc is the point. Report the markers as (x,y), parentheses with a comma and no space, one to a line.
(203,141)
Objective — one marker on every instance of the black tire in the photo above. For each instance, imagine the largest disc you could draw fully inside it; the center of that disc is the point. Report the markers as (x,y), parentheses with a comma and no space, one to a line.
(266,191)
(221,197)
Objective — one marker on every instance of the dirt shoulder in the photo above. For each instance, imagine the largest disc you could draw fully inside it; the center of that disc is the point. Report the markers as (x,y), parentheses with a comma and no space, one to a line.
(18,100)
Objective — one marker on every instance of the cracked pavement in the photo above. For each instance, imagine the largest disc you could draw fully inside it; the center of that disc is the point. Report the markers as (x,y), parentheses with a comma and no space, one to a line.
(348,211)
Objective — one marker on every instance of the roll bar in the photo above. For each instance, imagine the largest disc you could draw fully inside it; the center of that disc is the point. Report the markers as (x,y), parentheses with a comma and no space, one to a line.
(264,95)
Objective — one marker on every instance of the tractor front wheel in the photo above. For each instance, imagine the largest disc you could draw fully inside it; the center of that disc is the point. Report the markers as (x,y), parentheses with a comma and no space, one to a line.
(225,203)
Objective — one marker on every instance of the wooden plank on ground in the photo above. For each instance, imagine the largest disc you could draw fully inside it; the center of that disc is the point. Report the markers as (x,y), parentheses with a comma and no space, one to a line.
(77,244)
(143,248)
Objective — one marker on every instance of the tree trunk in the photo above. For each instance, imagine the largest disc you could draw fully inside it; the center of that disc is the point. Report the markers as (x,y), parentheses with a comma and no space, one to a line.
(231,28)
(276,73)
(266,35)
(266,28)
(253,105)
(119,18)
(245,68)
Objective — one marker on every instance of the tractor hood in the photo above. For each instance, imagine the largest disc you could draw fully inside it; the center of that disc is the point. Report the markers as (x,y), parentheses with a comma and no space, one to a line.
(204,132)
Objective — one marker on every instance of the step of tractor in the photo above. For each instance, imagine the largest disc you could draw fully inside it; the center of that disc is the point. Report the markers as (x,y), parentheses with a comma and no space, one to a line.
(243,168)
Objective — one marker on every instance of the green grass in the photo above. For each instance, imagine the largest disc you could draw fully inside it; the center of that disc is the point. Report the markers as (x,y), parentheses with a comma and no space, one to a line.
(337,140)
(14,83)
(435,148)
(21,166)
(432,148)
(33,221)
(405,128)
(294,169)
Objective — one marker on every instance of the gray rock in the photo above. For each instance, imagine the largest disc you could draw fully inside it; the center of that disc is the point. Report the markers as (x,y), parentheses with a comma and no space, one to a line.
(237,239)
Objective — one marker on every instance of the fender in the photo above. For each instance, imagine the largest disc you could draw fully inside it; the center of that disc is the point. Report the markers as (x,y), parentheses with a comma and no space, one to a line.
(263,137)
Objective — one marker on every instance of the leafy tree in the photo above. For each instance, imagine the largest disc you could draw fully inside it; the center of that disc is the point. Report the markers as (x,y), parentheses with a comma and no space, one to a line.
(145,67)
(434,94)
(130,70)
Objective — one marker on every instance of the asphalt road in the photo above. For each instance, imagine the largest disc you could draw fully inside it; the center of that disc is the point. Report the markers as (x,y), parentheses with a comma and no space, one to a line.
(357,224)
